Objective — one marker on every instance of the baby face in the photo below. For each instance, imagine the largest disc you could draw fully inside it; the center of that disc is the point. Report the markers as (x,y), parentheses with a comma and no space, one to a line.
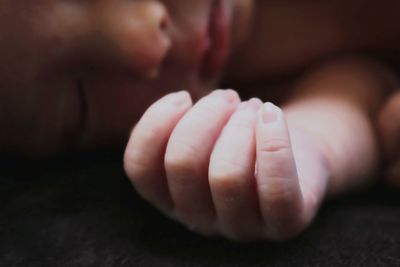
(80,73)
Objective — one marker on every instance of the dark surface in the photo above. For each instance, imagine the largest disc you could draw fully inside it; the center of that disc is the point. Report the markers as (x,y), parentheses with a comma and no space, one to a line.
(84,212)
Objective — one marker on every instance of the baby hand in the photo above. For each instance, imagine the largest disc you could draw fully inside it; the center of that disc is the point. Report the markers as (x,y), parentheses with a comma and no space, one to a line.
(225,167)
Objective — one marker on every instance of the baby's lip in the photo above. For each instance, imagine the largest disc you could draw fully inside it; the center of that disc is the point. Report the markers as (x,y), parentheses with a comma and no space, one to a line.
(218,39)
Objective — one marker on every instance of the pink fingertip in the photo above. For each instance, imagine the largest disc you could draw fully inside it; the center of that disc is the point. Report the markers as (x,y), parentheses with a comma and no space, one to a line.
(255,103)
(270,113)
(178,98)
(229,95)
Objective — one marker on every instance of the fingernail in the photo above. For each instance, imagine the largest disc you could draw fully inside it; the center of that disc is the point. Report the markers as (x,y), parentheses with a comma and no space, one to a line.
(269,113)
(229,95)
(178,98)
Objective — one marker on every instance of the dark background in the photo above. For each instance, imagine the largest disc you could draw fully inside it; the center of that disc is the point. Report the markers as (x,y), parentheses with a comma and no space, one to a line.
(84,212)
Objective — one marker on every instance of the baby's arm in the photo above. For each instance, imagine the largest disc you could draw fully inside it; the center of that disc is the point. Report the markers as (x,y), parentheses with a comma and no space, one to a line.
(389,128)
(337,105)
(221,167)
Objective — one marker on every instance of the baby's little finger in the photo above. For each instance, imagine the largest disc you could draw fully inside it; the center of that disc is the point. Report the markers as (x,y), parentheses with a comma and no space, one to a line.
(144,155)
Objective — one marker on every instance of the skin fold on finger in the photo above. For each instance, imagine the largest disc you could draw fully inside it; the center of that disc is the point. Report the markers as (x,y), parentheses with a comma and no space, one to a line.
(188,154)
(231,175)
(144,155)
(279,193)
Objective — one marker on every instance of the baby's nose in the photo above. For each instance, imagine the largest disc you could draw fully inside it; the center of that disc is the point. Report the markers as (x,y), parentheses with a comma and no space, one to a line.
(138,33)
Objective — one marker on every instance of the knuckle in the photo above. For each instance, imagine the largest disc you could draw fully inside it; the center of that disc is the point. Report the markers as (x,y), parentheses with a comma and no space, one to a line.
(175,162)
(225,168)
(227,178)
(242,123)
(276,166)
(182,166)
(183,158)
(276,162)
(274,145)
(183,179)
(277,192)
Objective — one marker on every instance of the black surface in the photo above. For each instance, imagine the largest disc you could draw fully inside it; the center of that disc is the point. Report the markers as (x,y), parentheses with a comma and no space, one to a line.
(84,212)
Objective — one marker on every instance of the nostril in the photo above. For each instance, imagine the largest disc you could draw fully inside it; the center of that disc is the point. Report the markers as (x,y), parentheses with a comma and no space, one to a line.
(160,14)
(164,23)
